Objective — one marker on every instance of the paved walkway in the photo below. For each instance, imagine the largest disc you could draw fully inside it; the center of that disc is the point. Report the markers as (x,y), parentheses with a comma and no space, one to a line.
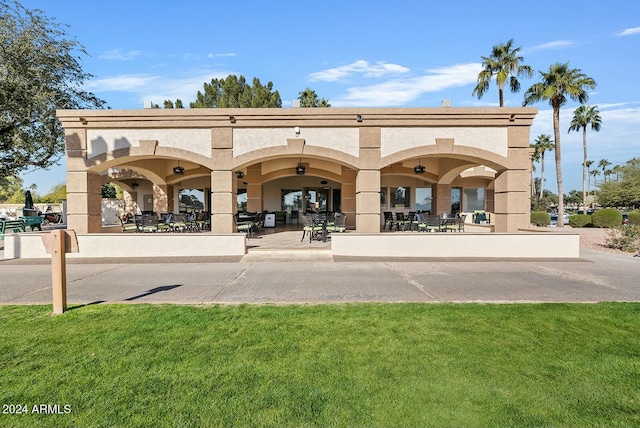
(308,274)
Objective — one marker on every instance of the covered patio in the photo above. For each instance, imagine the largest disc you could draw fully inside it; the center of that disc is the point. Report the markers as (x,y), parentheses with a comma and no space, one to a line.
(360,162)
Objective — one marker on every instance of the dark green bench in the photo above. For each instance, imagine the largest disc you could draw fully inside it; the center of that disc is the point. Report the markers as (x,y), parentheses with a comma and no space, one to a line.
(11,226)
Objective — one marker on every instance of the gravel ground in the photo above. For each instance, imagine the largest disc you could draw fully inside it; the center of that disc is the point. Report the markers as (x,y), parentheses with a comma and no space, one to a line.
(590,237)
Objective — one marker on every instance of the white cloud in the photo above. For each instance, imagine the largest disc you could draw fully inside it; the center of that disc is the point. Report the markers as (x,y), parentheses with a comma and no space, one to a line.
(116,54)
(220,55)
(557,44)
(399,92)
(629,32)
(617,141)
(359,67)
(123,83)
(156,88)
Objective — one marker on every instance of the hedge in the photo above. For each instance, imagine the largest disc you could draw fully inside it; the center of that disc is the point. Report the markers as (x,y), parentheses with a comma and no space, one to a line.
(606,218)
(540,218)
(580,220)
(634,217)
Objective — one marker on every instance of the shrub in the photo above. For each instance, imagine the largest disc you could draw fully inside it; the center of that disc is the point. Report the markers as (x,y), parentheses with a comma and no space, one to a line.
(634,217)
(540,218)
(580,220)
(606,218)
(625,238)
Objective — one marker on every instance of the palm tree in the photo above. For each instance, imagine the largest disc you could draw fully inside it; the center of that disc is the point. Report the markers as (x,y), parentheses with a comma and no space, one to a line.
(543,144)
(595,173)
(617,170)
(504,63)
(582,117)
(604,163)
(588,165)
(535,157)
(557,84)
(309,98)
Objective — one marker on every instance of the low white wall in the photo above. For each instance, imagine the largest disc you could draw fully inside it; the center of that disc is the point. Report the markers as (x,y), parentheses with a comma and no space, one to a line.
(455,245)
(97,245)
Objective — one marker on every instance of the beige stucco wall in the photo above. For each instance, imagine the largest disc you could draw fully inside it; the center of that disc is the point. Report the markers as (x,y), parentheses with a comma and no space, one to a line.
(265,145)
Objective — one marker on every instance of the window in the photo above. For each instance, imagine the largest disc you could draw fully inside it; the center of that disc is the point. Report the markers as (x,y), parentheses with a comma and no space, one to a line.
(383,197)
(291,200)
(400,197)
(455,200)
(191,199)
(473,199)
(423,199)
(241,200)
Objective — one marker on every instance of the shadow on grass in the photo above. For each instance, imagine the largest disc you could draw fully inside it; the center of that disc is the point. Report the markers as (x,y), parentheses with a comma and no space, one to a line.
(153,291)
(97,302)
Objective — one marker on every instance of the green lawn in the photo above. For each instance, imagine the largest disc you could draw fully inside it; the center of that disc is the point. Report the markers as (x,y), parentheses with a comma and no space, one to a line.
(323,365)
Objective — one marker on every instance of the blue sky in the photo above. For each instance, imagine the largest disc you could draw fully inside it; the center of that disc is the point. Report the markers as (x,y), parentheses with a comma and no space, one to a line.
(363,54)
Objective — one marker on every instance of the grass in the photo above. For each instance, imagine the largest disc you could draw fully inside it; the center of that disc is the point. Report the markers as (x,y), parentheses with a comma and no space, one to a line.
(325,365)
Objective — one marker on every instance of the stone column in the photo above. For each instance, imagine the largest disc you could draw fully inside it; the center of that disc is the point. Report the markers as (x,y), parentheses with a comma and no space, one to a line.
(84,202)
(512,201)
(161,199)
(512,190)
(368,181)
(489,200)
(441,199)
(84,195)
(223,181)
(368,201)
(254,197)
(348,195)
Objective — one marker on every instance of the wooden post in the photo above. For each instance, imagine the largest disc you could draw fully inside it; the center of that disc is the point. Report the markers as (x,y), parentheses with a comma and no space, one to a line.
(59,272)
(58,243)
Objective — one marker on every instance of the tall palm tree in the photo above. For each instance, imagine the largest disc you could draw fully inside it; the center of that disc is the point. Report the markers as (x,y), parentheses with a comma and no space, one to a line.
(595,173)
(584,116)
(543,143)
(617,170)
(557,84)
(503,63)
(588,165)
(535,157)
(604,163)
(309,98)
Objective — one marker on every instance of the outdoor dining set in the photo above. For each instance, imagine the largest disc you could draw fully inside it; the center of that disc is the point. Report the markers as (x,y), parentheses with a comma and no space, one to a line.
(167,222)
(317,226)
(424,222)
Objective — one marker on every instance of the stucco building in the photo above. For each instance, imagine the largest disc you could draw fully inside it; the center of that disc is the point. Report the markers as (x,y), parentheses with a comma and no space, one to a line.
(361,162)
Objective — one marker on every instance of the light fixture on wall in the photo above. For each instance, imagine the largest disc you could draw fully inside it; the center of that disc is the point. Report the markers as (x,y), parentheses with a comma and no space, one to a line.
(358,118)
(239,174)
(297,130)
(134,184)
(232,119)
(178,170)
(419,169)
(301,169)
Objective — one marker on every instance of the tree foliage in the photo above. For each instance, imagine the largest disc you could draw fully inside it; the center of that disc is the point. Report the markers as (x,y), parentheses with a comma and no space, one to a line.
(505,64)
(8,187)
(57,195)
(234,92)
(39,73)
(626,191)
(584,116)
(108,191)
(543,143)
(309,98)
(556,86)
